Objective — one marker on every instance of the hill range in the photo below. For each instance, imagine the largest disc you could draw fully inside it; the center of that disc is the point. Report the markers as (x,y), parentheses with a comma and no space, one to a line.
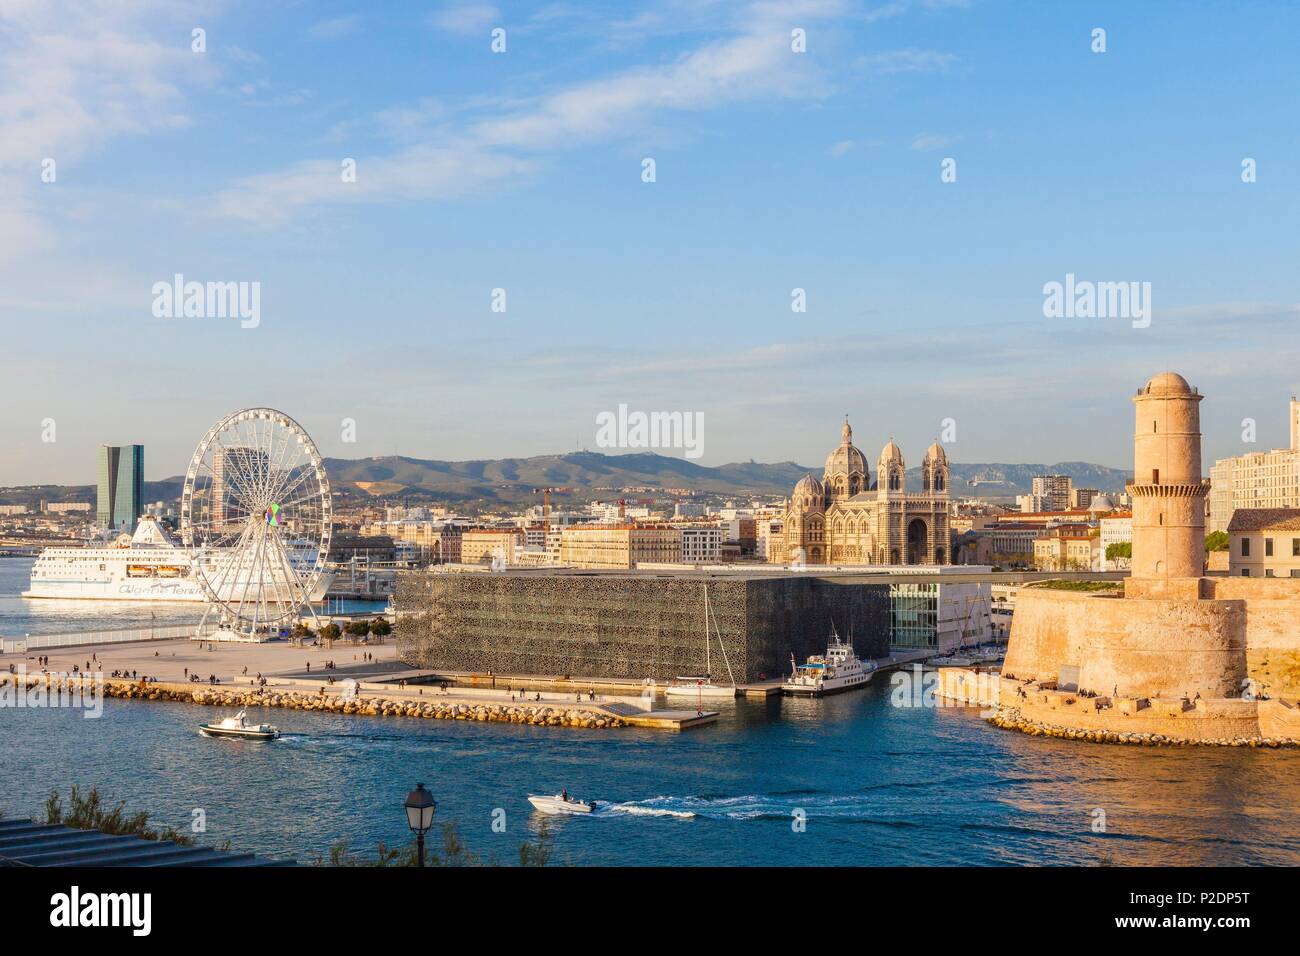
(588,476)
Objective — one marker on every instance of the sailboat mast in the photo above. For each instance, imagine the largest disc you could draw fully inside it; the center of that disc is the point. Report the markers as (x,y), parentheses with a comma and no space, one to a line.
(708,657)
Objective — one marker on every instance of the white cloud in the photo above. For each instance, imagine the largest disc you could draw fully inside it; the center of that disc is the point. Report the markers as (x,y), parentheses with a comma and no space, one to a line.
(74,76)
(457,158)
(334,28)
(926,141)
(466,18)
(908,61)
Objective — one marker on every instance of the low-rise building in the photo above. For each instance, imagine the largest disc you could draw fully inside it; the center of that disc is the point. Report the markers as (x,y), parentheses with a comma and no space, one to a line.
(1067,550)
(701,544)
(620,545)
(1264,543)
(1116,529)
(490,545)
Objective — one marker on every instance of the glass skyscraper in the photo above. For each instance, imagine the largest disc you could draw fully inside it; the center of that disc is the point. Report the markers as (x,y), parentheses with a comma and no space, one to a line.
(121,486)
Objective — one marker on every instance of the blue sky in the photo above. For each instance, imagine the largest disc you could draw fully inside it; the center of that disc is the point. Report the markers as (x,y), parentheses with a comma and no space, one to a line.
(522,170)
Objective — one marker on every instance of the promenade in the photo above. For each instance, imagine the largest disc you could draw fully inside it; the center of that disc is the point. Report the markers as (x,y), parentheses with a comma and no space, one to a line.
(239,668)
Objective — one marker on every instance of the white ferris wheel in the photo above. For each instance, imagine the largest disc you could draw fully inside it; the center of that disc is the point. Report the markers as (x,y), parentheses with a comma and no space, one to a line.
(255,516)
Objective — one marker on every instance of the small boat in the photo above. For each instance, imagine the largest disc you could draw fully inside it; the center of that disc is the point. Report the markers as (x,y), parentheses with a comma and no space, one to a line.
(560,803)
(703,685)
(839,669)
(699,685)
(239,726)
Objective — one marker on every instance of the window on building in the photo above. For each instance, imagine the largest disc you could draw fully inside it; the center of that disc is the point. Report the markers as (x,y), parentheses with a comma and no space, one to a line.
(1245,547)
(1155,476)
(1268,572)
(1295,547)
(1268,547)
(1245,572)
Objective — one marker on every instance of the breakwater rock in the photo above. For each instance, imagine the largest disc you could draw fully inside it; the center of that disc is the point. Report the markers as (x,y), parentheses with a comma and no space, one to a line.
(50,688)
(539,715)
(1011,719)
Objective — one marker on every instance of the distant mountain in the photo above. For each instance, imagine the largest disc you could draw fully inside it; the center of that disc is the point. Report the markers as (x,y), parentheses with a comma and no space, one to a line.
(1000,481)
(590,475)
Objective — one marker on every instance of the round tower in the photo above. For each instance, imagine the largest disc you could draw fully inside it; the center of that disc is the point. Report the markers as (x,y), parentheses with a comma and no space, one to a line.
(1167,488)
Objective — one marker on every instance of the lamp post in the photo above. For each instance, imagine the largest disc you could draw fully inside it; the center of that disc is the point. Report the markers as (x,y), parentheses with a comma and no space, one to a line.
(419,816)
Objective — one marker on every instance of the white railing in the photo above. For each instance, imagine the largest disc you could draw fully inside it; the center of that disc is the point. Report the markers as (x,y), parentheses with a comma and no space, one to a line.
(117,636)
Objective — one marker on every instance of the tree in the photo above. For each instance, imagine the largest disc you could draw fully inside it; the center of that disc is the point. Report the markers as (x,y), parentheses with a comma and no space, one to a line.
(329,633)
(1119,549)
(380,627)
(357,629)
(1216,541)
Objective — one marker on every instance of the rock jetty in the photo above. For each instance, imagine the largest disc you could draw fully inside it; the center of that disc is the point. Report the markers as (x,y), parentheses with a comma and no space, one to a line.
(537,715)
(1011,719)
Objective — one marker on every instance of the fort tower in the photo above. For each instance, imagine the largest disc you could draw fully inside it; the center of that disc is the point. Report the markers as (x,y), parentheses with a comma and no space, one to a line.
(1167,488)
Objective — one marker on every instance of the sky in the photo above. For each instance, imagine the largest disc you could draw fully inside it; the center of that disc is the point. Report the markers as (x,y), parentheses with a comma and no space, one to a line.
(820,169)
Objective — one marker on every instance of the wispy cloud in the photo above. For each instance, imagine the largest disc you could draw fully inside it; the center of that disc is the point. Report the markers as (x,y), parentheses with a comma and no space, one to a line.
(907,61)
(335,28)
(74,76)
(459,157)
(927,141)
(466,18)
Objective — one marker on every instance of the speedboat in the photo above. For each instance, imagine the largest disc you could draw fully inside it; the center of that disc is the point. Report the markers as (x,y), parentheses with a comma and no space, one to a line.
(560,803)
(700,685)
(239,726)
(839,669)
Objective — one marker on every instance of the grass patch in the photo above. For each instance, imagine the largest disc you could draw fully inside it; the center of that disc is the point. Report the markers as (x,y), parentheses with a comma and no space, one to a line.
(1079,585)
(87,812)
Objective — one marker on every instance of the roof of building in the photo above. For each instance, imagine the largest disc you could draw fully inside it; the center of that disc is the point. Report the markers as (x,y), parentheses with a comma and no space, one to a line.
(891,452)
(845,459)
(1264,519)
(1167,383)
(25,843)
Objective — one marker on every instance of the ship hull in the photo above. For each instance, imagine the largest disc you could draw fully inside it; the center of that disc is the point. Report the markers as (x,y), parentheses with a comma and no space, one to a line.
(803,690)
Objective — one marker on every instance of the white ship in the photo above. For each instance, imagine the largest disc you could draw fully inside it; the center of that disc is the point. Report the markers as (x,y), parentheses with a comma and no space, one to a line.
(837,670)
(147,566)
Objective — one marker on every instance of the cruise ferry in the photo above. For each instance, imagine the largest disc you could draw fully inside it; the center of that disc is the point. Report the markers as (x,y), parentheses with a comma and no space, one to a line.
(146,566)
(839,669)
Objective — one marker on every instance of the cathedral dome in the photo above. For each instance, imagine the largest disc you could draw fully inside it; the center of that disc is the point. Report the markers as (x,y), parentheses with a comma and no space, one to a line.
(846,459)
(891,452)
(936,453)
(808,485)
(808,493)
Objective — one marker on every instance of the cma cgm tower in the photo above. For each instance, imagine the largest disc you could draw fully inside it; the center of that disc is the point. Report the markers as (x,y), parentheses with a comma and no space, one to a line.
(121,486)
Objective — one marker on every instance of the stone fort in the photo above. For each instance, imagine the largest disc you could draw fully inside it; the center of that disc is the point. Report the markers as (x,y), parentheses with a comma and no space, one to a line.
(1179,653)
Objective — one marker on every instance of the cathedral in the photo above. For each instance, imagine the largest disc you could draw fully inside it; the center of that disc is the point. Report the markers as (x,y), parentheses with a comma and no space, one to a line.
(847,519)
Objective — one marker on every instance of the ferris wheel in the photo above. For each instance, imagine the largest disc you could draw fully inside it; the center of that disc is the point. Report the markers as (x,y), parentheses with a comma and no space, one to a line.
(255,516)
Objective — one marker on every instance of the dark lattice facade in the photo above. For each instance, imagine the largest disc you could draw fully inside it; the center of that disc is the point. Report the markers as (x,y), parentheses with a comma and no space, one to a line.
(630,625)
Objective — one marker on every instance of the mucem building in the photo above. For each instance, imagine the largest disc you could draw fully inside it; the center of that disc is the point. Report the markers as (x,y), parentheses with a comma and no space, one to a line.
(631,624)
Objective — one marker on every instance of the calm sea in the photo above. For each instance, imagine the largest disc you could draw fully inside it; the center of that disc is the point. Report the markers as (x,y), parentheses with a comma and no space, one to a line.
(876,784)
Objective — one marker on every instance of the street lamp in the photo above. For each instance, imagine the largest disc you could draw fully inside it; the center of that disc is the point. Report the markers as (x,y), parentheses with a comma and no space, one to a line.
(419,816)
